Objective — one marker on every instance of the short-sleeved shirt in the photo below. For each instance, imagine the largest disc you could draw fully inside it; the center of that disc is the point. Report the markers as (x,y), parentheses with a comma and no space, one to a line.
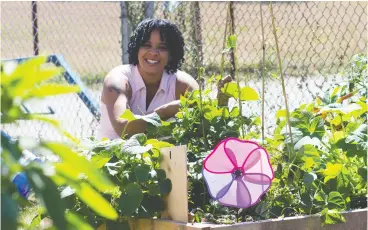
(137,102)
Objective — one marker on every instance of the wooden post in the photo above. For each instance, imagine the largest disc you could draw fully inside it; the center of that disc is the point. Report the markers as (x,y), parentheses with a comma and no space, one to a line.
(124,32)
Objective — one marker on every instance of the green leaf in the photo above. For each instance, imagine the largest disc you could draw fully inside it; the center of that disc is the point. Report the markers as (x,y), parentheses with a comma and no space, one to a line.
(128,115)
(51,90)
(234,112)
(165,187)
(130,200)
(332,171)
(281,113)
(248,94)
(336,201)
(332,217)
(81,164)
(77,221)
(359,136)
(134,146)
(158,144)
(309,151)
(307,140)
(161,174)
(308,178)
(152,118)
(231,42)
(230,89)
(363,173)
(142,172)
(99,160)
(9,212)
(153,189)
(95,201)
(49,196)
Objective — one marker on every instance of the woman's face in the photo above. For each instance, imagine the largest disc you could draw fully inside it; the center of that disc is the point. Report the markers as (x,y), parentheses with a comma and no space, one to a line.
(153,56)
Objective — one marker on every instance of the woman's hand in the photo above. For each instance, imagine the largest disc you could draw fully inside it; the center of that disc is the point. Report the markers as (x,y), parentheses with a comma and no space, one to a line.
(221,97)
(168,110)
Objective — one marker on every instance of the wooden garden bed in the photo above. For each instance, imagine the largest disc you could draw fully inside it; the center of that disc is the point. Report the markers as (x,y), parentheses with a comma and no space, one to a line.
(175,217)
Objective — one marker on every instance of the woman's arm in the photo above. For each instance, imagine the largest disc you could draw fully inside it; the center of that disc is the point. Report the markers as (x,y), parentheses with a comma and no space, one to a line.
(184,82)
(115,94)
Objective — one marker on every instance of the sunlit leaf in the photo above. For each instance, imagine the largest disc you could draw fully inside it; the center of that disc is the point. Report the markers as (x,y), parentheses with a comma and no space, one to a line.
(248,94)
(95,177)
(51,90)
(77,221)
(332,217)
(332,171)
(95,201)
(336,201)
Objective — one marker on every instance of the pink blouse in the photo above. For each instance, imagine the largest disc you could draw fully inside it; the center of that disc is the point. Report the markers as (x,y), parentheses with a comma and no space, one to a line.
(137,102)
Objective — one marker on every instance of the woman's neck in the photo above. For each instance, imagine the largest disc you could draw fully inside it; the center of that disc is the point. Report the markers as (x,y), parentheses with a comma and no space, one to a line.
(150,80)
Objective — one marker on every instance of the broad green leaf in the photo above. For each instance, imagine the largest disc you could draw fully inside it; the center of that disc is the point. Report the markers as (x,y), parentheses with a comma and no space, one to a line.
(235,112)
(350,149)
(161,174)
(281,113)
(336,201)
(308,163)
(81,164)
(95,201)
(134,146)
(307,140)
(332,171)
(230,89)
(130,200)
(165,187)
(309,151)
(158,144)
(142,172)
(51,90)
(332,217)
(248,94)
(49,196)
(128,115)
(309,177)
(99,160)
(77,221)
(153,189)
(152,118)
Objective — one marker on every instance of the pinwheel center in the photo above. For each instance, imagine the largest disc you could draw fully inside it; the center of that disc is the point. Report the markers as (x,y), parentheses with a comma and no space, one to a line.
(238,172)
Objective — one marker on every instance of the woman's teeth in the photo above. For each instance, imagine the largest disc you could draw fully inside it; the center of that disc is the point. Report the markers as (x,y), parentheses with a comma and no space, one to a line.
(152,61)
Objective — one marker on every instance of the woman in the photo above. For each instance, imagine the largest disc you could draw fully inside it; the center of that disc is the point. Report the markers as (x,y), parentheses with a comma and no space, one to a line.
(150,83)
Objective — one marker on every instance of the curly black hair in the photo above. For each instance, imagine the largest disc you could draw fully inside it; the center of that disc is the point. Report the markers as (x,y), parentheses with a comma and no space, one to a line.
(169,33)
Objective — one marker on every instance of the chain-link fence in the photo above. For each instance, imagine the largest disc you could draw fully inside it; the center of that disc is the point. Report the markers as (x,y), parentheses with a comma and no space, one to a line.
(316,40)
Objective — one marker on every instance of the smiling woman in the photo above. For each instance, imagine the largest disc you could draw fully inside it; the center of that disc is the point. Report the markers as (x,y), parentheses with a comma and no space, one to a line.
(150,83)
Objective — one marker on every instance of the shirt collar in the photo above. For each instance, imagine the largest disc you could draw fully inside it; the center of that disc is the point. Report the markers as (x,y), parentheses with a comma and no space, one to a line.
(139,83)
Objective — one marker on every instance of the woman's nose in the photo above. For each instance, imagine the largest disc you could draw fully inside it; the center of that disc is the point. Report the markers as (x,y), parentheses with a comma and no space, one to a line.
(154,51)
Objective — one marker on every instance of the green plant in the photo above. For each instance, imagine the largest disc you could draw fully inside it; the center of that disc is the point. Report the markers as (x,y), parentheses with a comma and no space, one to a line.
(27,81)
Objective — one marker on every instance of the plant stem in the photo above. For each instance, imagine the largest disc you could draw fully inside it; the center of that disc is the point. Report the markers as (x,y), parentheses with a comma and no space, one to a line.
(262,72)
(223,48)
(281,75)
(236,76)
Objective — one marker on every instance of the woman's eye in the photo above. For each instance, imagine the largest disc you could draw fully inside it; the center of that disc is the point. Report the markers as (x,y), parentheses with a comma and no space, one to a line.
(162,48)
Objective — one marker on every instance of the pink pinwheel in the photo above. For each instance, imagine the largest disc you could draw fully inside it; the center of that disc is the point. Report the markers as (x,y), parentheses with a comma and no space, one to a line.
(237,173)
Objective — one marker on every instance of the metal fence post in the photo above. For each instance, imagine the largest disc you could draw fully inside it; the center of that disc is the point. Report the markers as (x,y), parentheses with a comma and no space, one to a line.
(150,9)
(124,32)
(35,28)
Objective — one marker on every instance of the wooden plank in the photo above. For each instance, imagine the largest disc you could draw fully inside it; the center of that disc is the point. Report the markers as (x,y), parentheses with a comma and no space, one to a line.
(175,165)
(149,224)
(356,219)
